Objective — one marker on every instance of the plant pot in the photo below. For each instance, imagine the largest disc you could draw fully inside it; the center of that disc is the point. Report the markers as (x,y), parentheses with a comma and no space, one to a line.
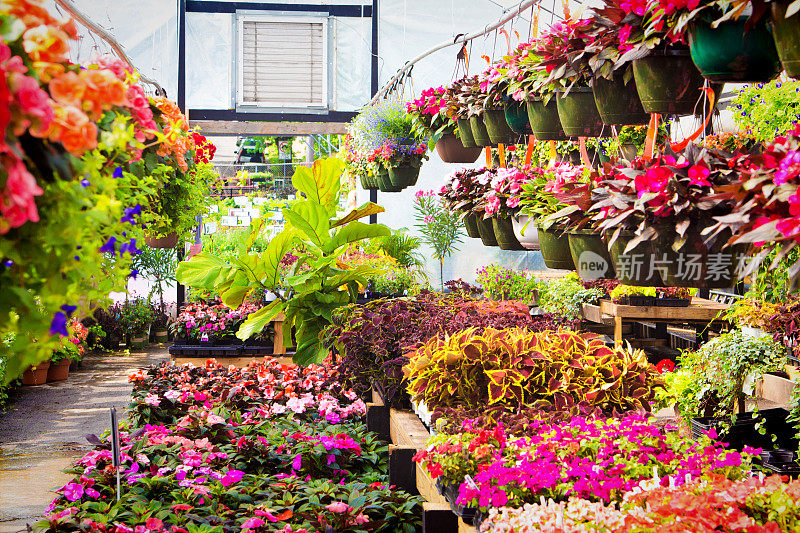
(497,127)
(673,302)
(554,243)
(754,332)
(578,113)
(695,265)
(59,371)
(465,133)
(451,150)
(138,341)
(618,102)
(504,233)
(668,82)
(517,117)
(170,240)
(403,176)
(385,183)
(629,151)
(160,335)
(36,375)
(633,268)
(486,230)
(728,53)
(590,255)
(786,33)
(471,224)
(479,132)
(368,182)
(527,236)
(544,121)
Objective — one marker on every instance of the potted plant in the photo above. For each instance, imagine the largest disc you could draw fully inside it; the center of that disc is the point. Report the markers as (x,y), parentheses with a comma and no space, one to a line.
(613,85)
(501,203)
(725,43)
(457,110)
(514,81)
(631,295)
(110,321)
(494,86)
(159,329)
(439,226)
(463,190)
(429,116)
(786,32)
(470,98)
(674,296)
(136,317)
(564,56)
(752,316)
(632,140)
(36,374)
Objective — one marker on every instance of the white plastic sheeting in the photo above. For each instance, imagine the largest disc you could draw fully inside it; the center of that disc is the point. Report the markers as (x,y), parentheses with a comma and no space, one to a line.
(209,63)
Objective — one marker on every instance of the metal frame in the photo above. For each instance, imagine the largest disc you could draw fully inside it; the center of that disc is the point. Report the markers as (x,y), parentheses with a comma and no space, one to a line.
(241,18)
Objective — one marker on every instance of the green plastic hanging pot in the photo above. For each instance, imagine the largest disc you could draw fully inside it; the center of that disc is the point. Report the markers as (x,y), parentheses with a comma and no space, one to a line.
(544,121)
(479,132)
(517,117)
(486,230)
(578,113)
(695,265)
(465,133)
(385,183)
(471,224)
(452,150)
(554,244)
(668,82)
(590,254)
(786,32)
(618,102)
(728,53)
(368,182)
(504,233)
(403,176)
(497,127)
(633,268)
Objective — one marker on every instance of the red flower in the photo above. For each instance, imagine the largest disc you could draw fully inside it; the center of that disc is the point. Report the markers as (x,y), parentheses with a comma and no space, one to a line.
(665,365)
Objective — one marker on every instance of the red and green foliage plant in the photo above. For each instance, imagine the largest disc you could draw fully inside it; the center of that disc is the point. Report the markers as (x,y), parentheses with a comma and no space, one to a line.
(513,369)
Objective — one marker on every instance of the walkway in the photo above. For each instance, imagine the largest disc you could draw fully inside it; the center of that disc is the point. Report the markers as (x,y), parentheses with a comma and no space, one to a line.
(42,430)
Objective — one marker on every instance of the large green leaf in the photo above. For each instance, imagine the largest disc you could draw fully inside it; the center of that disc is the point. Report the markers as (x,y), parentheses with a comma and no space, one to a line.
(269,260)
(201,270)
(320,183)
(364,211)
(257,321)
(356,231)
(310,219)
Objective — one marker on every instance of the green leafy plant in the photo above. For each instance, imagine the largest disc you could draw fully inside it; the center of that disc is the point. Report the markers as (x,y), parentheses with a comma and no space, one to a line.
(766,110)
(500,283)
(620,293)
(158,266)
(136,315)
(440,227)
(318,285)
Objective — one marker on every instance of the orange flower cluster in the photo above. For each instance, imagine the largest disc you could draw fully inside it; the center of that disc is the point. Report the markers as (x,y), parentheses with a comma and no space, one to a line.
(176,130)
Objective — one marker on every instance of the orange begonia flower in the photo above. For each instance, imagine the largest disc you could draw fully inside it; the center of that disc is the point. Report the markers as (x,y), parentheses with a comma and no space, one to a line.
(46,43)
(68,89)
(74,130)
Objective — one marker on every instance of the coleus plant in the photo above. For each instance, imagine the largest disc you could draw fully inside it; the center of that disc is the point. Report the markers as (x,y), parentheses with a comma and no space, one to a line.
(464,98)
(319,285)
(515,368)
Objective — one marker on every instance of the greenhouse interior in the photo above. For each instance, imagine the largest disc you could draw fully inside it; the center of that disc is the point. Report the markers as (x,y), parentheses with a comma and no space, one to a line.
(355,266)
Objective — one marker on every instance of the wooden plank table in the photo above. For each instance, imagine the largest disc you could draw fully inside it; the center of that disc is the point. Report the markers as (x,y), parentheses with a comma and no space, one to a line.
(701,312)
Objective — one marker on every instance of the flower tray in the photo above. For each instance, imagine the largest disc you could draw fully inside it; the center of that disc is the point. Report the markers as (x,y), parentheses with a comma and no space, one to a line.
(743,431)
(466,513)
(784,469)
(639,300)
(205,351)
(257,351)
(673,302)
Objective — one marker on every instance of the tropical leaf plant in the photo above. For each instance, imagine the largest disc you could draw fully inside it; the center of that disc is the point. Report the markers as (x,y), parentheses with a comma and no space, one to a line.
(317,283)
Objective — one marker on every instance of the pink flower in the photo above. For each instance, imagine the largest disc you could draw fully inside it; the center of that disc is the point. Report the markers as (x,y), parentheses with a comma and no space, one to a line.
(297,462)
(231,477)
(152,399)
(214,419)
(338,507)
(698,175)
(513,201)
(252,523)
(73,491)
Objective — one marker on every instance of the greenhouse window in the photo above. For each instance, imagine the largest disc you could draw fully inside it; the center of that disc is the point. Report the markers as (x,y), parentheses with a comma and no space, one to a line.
(283,62)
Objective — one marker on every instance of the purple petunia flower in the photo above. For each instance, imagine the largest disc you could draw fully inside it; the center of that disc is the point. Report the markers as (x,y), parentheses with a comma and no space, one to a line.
(59,324)
(118,172)
(109,246)
(85,182)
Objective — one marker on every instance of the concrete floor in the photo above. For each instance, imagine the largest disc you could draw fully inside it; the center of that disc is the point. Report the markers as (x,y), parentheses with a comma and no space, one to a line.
(42,430)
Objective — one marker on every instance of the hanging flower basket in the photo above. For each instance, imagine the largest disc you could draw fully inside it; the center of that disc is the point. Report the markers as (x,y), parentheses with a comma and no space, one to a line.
(668,82)
(504,233)
(471,224)
(385,183)
(786,32)
(633,268)
(517,117)
(479,132)
(590,255)
(452,150)
(544,120)
(695,265)
(729,53)
(554,243)
(403,176)
(486,231)
(368,182)
(497,127)
(527,236)
(170,240)
(618,102)
(578,113)
(465,132)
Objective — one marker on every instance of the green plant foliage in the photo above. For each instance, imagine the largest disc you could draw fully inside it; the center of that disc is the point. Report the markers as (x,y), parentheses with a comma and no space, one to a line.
(514,369)
(157,265)
(136,315)
(766,110)
(723,369)
(500,283)
(441,228)
(318,285)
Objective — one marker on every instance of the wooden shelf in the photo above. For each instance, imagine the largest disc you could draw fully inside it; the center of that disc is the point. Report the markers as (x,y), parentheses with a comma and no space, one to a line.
(700,310)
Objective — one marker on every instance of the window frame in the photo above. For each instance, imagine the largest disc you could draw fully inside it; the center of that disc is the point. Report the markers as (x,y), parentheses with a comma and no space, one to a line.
(239,102)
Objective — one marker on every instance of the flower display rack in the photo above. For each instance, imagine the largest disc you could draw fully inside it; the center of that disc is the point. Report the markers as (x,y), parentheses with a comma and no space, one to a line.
(407,435)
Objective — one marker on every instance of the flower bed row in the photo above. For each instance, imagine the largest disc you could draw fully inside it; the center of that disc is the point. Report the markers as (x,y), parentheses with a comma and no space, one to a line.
(270,447)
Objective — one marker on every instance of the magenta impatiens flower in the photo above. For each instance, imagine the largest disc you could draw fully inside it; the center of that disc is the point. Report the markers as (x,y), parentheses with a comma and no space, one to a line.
(231,477)
(73,491)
